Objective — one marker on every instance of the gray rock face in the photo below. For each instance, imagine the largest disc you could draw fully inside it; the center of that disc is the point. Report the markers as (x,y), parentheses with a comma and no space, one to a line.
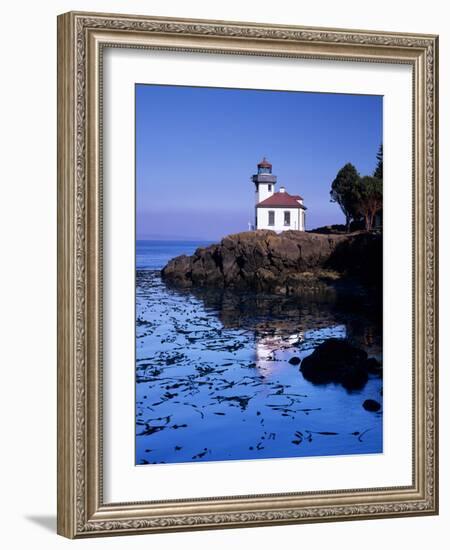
(292,262)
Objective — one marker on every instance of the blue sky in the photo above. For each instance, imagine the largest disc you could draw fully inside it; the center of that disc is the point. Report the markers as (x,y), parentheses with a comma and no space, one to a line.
(196,149)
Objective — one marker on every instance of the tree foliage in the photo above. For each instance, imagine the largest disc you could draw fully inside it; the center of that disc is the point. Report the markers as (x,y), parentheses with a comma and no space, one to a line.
(360,198)
(345,190)
(370,199)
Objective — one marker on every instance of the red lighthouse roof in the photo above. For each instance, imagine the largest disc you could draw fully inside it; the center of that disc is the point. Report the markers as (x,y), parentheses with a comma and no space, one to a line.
(264,163)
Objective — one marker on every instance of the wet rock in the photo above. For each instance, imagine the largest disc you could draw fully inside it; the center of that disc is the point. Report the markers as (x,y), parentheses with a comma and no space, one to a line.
(374,367)
(336,361)
(310,282)
(371,405)
(290,263)
(179,271)
(295,360)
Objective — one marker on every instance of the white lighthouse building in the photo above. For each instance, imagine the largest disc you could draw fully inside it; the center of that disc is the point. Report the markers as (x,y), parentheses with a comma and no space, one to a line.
(274,210)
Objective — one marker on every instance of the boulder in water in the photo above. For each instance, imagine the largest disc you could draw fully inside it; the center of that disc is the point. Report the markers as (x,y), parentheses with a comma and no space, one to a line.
(371,405)
(337,361)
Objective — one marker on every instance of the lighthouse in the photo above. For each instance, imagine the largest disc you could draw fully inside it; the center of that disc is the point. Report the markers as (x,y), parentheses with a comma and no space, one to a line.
(264,181)
(274,210)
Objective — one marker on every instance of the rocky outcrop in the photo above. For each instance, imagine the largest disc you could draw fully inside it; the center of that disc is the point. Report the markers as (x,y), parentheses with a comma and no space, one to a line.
(337,361)
(289,263)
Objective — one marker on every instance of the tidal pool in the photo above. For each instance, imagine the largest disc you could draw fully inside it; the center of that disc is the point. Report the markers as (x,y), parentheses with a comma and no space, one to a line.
(214,379)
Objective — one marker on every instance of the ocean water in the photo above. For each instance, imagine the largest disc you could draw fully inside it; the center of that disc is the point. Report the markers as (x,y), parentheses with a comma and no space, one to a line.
(156,254)
(214,379)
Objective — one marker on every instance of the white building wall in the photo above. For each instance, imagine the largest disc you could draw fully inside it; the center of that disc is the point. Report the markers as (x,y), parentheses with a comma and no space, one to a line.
(297,219)
(263,192)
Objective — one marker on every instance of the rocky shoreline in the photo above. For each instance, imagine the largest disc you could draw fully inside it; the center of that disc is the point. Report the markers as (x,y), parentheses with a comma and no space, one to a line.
(290,263)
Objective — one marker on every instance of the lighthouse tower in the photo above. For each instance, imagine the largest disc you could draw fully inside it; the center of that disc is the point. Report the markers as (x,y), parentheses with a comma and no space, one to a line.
(277,211)
(264,181)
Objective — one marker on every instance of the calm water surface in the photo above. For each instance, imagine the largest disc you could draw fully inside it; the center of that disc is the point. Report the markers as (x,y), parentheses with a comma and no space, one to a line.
(213,378)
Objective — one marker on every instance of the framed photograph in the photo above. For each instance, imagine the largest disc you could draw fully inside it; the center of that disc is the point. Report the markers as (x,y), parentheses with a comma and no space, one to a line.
(247,288)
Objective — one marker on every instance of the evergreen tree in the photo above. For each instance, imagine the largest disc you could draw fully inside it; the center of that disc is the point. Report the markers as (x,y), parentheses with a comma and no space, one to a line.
(378,173)
(345,191)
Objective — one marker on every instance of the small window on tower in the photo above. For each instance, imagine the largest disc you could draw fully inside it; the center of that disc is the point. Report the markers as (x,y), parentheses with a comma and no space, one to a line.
(270,188)
(287,218)
(271,217)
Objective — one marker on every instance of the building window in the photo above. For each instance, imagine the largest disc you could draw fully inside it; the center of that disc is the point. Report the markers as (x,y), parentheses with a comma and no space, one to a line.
(287,218)
(271,217)
(270,188)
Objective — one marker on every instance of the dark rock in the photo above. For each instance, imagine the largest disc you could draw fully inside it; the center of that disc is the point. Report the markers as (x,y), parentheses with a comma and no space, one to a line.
(336,361)
(361,256)
(371,405)
(373,366)
(179,271)
(295,360)
(290,263)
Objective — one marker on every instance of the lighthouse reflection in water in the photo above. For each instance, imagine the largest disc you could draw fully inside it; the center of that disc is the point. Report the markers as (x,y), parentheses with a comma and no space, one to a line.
(218,374)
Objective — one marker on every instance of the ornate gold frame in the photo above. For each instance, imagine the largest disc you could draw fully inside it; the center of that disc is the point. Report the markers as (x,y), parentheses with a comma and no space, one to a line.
(81,38)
